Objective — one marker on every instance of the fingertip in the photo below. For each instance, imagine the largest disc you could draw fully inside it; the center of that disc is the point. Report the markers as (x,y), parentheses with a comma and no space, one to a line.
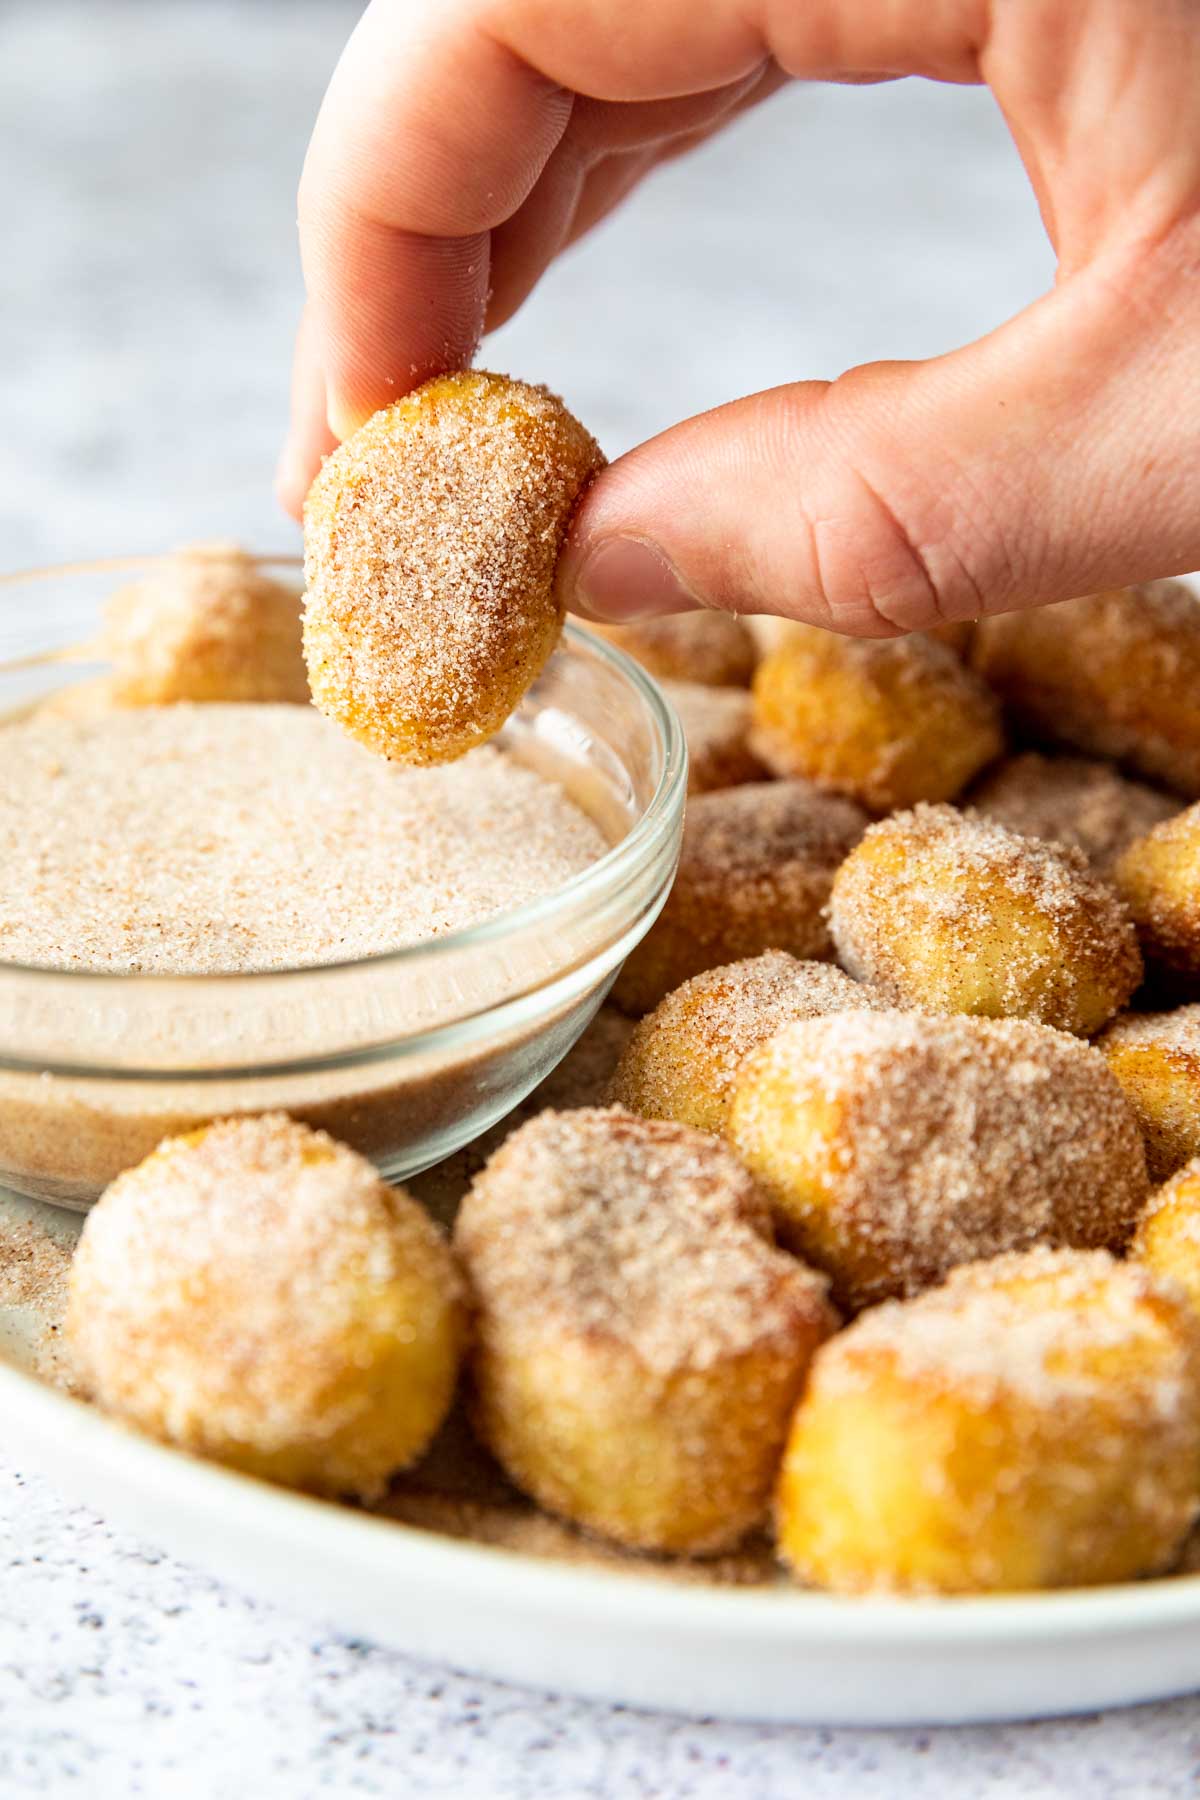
(293,478)
(616,579)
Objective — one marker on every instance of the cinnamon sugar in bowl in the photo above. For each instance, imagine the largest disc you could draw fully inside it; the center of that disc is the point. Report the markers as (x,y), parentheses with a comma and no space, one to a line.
(405,1053)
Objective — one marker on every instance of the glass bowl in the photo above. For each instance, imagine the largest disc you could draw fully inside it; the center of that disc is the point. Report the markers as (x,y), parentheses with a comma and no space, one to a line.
(406,1055)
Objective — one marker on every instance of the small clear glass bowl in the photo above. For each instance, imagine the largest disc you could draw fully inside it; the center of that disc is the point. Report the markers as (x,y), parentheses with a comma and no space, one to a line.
(406,1055)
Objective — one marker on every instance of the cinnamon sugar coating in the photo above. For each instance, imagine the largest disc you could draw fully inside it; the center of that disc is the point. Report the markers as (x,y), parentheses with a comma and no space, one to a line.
(716,725)
(1072,800)
(1115,673)
(894,1146)
(755,872)
(431,537)
(254,1293)
(886,722)
(711,649)
(1159,879)
(217,839)
(640,1342)
(683,1058)
(1035,1423)
(1156,1059)
(955,913)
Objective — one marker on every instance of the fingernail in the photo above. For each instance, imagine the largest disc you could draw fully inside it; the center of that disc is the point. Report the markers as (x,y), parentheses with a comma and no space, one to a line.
(291,477)
(342,418)
(625,578)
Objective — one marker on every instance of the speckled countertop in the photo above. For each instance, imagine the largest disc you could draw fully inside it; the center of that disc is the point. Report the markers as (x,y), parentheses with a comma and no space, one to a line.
(148,158)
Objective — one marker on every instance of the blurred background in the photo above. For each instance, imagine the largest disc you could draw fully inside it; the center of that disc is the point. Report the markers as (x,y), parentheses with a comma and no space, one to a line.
(149,276)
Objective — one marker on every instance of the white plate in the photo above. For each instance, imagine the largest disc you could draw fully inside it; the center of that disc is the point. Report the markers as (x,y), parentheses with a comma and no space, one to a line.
(762,1653)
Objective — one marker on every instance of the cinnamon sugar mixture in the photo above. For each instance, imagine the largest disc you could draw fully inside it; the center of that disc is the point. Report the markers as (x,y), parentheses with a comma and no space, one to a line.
(203,839)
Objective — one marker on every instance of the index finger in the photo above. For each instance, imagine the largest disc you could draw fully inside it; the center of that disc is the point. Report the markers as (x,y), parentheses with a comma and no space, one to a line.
(442,115)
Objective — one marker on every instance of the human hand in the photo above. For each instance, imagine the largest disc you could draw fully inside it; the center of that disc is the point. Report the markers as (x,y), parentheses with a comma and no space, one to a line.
(464,143)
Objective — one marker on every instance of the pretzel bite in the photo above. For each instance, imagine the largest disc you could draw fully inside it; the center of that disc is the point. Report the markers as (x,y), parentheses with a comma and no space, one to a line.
(885,722)
(431,537)
(253,1292)
(640,1342)
(1115,673)
(710,649)
(954,913)
(205,624)
(716,724)
(682,1058)
(771,632)
(1159,879)
(893,1146)
(1156,1059)
(1168,1233)
(1033,1424)
(1071,800)
(754,874)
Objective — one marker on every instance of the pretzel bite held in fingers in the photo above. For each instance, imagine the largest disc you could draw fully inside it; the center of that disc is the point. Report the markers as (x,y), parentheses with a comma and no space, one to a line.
(640,1343)
(431,537)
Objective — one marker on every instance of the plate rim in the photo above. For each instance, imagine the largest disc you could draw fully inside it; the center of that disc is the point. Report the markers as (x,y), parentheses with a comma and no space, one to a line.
(36,1413)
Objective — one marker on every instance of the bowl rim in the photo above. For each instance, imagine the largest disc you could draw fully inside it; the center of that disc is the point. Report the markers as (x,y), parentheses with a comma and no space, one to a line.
(607,873)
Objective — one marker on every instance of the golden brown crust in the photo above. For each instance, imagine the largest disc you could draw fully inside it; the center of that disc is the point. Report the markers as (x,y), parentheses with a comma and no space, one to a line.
(1115,673)
(431,538)
(754,874)
(955,913)
(1034,1423)
(1156,1059)
(886,722)
(711,649)
(1167,1240)
(683,1058)
(1159,879)
(894,1146)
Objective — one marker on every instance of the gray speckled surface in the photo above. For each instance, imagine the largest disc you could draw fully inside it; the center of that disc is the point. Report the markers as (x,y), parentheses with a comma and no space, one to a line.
(148,157)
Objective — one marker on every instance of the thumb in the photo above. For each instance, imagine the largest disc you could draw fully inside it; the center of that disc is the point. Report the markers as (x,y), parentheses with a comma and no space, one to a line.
(1054,456)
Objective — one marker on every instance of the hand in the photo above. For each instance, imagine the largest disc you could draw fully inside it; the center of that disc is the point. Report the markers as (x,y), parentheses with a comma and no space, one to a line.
(463,144)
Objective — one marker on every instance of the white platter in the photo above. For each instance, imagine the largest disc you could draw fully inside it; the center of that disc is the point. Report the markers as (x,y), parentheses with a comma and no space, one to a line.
(769,1653)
